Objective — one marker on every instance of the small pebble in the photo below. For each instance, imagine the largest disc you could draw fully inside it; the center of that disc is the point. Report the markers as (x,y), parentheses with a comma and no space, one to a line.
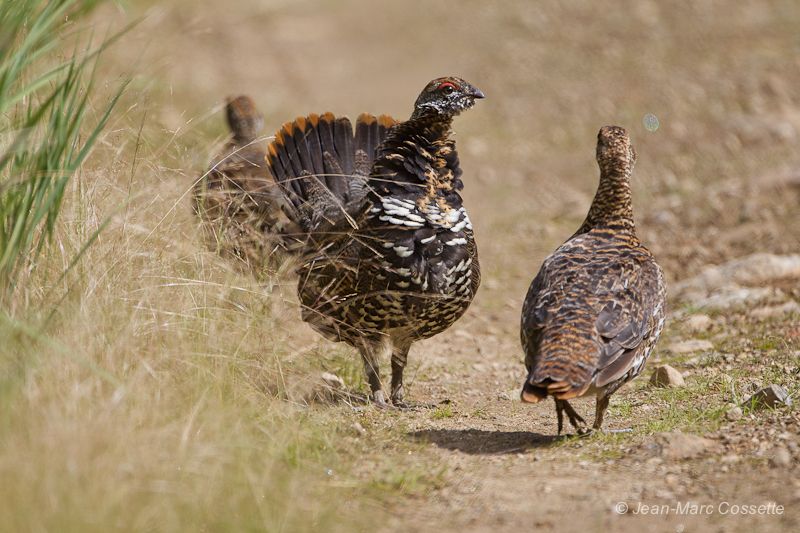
(734,413)
(771,396)
(667,376)
(358,428)
(780,457)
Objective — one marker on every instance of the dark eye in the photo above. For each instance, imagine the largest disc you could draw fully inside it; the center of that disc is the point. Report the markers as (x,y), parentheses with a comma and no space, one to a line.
(447,87)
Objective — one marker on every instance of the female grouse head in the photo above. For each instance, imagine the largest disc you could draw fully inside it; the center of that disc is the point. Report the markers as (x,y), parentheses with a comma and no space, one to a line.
(446,97)
(615,155)
(244,119)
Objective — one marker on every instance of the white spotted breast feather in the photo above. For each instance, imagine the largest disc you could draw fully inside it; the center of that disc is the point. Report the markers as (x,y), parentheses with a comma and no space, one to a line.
(427,250)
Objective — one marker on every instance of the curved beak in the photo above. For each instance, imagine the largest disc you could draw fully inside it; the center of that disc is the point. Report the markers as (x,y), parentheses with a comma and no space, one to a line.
(475,92)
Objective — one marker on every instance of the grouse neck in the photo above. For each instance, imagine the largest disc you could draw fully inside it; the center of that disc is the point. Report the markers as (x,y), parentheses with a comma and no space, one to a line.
(244,132)
(243,139)
(425,119)
(432,127)
(612,206)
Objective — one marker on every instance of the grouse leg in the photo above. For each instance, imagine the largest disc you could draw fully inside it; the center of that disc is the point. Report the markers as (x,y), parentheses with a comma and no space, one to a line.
(560,416)
(600,411)
(399,358)
(563,406)
(370,354)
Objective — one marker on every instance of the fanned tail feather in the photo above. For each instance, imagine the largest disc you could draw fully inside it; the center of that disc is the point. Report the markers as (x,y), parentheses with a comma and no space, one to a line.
(321,166)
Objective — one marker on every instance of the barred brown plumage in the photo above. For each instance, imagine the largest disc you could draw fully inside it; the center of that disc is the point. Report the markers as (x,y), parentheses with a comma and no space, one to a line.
(390,255)
(596,309)
(237,200)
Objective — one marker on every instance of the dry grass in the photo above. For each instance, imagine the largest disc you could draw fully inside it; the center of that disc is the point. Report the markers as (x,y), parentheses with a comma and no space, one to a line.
(166,393)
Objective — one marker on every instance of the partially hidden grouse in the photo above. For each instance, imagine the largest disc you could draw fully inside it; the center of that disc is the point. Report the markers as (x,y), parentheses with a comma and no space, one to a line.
(596,309)
(237,199)
(389,250)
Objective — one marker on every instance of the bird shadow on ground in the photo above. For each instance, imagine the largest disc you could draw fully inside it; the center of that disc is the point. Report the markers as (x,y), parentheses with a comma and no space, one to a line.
(478,441)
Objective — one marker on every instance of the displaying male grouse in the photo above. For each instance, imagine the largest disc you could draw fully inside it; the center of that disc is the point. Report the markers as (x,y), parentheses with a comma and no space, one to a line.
(390,253)
(594,312)
(237,199)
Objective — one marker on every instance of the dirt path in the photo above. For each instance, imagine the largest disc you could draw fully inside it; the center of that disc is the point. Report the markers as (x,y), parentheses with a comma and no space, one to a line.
(503,469)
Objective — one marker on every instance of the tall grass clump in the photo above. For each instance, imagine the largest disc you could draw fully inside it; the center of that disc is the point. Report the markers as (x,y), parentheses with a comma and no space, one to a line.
(167,391)
(48,125)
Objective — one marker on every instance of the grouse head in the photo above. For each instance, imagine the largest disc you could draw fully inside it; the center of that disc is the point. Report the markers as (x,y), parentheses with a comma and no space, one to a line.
(615,155)
(446,97)
(244,119)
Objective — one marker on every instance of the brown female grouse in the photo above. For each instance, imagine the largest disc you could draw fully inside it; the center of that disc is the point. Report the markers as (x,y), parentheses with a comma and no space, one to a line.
(594,312)
(390,253)
(238,201)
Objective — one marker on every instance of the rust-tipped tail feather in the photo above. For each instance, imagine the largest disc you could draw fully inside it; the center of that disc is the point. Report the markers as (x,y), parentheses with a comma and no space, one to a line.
(534,391)
(322,167)
(532,394)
